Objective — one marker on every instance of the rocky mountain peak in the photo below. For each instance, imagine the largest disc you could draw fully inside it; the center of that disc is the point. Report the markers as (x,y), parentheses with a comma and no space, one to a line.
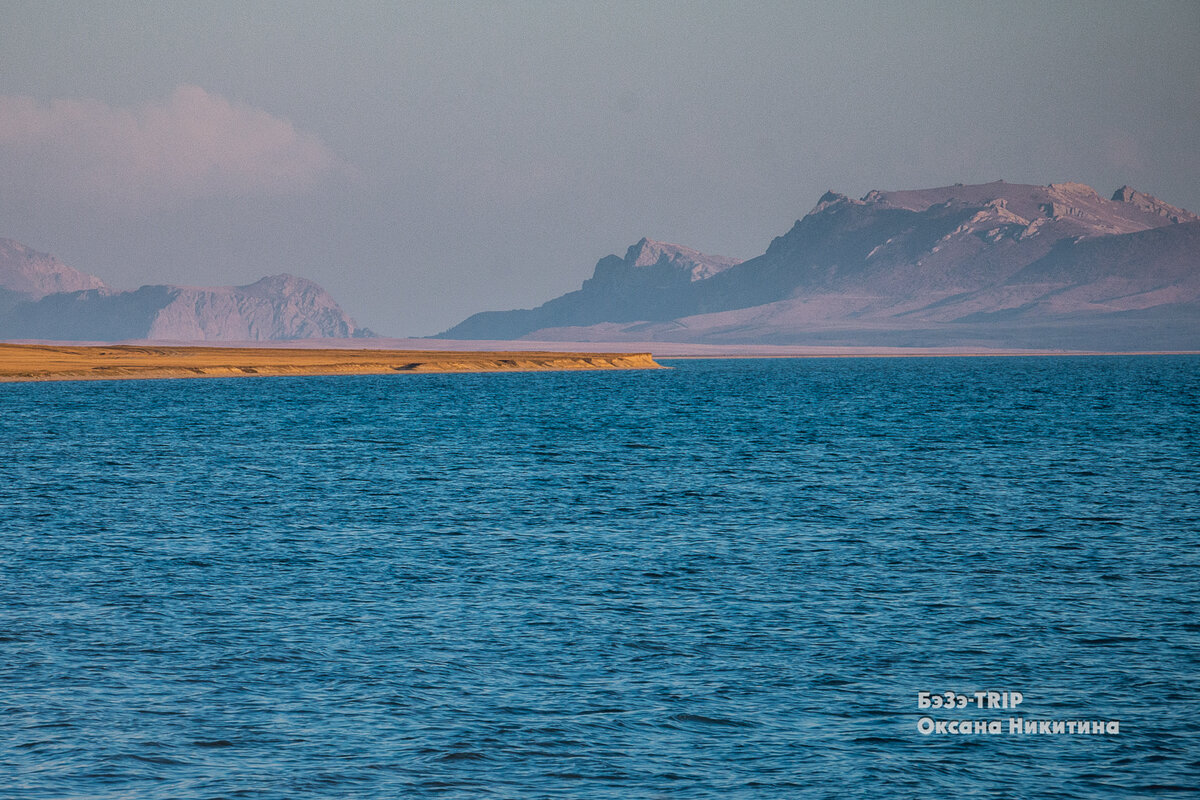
(43,298)
(1071,191)
(831,198)
(28,274)
(1015,262)
(282,284)
(275,307)
(1151,204)
(647,253)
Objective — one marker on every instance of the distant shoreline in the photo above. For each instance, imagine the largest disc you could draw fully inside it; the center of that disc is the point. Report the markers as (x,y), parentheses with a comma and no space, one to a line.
(73,361)
(41,362)
(932,354)
(657,350)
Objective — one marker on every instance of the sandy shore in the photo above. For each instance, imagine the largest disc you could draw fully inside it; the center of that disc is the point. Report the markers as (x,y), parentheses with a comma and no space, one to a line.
(658,350)
(27,362)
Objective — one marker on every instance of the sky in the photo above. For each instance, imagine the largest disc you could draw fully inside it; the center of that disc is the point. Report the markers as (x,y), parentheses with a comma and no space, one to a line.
(425,161)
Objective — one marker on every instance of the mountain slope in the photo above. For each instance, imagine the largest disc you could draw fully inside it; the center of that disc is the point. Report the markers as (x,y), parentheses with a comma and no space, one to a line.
(26,274)
(935,264)
(277,307)
(650,282)
(41,298)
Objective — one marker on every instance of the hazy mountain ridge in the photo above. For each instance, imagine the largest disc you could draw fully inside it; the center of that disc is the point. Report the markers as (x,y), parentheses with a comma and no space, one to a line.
(41,298)
(29,275)
(993,263)
(652,281)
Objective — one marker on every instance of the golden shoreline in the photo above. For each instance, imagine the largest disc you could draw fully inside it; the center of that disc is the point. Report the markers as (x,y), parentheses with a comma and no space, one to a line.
(74,362)
(39,362)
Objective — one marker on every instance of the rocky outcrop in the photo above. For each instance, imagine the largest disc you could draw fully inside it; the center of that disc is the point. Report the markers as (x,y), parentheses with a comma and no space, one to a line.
(660,264)
(26,274)
(277,307)
(1152,205)
(41,298)
(959,263)
(651,282)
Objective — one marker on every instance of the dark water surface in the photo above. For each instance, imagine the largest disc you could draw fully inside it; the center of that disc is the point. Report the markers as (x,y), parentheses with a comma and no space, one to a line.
(728,580)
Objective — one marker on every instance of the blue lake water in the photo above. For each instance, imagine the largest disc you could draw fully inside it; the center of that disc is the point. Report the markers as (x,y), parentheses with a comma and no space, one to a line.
(726,580)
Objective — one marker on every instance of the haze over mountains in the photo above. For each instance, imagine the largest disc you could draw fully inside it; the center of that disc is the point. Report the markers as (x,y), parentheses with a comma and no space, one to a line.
(994,264)
(42,298)
(989,265)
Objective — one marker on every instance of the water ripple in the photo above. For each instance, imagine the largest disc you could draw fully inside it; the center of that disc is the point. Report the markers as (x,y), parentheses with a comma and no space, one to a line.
(729,580)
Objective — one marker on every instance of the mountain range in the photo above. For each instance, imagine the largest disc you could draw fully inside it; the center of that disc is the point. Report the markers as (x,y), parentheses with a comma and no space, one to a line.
(42,298)
(987,265)
(995,264)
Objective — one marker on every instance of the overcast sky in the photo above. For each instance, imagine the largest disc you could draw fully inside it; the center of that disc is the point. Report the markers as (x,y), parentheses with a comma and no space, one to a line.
(424,161)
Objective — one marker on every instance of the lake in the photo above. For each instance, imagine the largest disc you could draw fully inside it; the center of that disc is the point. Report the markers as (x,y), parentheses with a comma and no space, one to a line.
(731,579)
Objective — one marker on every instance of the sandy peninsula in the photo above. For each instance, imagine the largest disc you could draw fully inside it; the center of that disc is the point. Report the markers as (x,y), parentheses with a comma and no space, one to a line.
(39,362)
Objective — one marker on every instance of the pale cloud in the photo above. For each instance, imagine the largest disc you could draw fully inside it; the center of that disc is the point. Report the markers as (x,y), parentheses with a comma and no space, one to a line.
(194,144)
